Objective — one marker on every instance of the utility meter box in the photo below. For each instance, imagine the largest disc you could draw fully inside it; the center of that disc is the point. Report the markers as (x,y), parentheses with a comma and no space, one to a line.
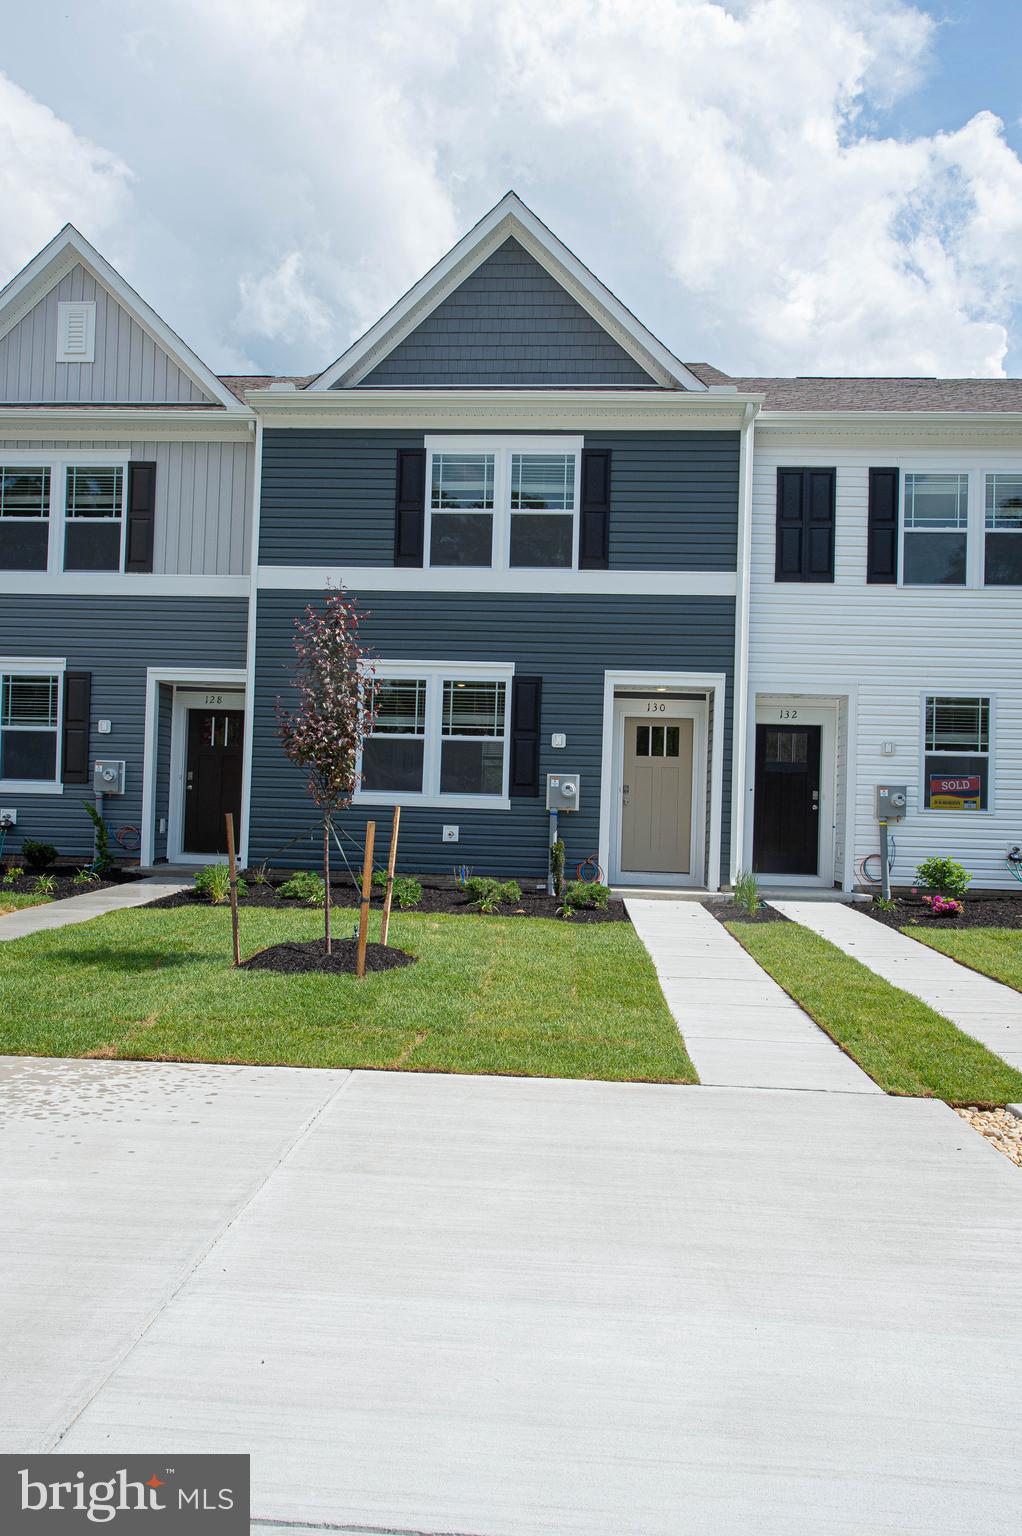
(107,776)
(562,791)
(891,800)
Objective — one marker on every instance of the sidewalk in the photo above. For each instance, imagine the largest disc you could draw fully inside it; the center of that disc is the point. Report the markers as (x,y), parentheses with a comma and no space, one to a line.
(742,1030)
(985,1009)
(79,909)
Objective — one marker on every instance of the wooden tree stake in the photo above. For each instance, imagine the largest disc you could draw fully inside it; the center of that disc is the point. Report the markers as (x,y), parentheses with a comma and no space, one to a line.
(229,818)
(327,937)
(391,861)
(363,912)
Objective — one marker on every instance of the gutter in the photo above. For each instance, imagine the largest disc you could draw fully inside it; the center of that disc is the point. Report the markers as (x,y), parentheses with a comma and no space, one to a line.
(741,703)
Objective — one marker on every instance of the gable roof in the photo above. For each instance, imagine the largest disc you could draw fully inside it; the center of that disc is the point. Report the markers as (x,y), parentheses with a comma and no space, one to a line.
(880,393)
(69,249)
(509,219)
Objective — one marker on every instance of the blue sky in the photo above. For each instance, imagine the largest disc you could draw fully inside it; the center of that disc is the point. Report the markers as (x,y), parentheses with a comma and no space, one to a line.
(774,186)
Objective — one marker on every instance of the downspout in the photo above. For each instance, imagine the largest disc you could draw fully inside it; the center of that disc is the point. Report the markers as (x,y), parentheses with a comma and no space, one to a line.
(740,701)
(250,648)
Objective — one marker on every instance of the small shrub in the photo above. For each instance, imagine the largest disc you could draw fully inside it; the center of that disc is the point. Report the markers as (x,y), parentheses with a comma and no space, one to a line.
(886,903)
(85,877)
(12,875)
(487,894)
(944,906)
(213,884)
(305,886)
(945,876)
(44,885)
(38,855)
(407,891)
(102,863)
(557,866)
(746,893)
(587,893)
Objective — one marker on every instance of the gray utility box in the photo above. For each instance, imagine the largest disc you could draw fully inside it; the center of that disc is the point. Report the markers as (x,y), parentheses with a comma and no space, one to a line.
(562,791)
(891,800)
(107,776)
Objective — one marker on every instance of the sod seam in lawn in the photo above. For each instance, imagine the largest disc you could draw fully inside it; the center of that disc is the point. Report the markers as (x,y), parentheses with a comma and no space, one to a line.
(993,952)
(515,996)
(902,1043)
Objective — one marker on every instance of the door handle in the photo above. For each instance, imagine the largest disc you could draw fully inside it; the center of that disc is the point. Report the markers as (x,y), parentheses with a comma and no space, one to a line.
(625,788)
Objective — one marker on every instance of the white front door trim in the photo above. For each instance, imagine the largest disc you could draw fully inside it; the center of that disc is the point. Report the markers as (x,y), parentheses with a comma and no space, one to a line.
(706,851)
(812,709)
(224,679)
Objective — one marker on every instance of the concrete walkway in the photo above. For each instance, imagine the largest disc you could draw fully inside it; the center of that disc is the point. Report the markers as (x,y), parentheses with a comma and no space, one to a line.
(79,909)
(516,1307)
(742,1030)
(982,1007)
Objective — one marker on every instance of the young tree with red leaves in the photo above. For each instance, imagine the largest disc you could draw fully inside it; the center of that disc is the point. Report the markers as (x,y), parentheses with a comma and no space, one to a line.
(334,715)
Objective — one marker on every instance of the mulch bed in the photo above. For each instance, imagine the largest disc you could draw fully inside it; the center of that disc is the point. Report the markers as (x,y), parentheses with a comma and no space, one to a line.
(64,884)
(434,899)
(980,912)
(727,912)
(292,959)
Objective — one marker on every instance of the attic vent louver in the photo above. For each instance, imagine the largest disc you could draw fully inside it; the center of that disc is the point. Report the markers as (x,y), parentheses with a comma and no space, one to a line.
(76,333)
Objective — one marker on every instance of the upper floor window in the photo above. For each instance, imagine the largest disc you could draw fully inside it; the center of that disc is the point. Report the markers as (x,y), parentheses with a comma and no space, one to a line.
(936,529)
(1003,531)
(29,715)
(24,517)
(93,517)
(957,753)
(503,504)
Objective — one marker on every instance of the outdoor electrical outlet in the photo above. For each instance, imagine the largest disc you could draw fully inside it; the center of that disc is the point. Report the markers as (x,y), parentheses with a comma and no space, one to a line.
(450,834)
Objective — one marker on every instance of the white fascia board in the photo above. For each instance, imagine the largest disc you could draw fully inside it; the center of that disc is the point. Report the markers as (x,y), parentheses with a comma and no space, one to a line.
(523,582)
(510,217)
(46,269)
(1003,421)
(113,584)
(138,421)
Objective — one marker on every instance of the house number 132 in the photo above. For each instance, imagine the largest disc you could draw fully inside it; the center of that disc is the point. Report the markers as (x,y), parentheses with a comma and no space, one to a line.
(787,714)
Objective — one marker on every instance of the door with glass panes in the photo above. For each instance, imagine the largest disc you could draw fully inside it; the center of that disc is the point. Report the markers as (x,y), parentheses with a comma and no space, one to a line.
(656,796)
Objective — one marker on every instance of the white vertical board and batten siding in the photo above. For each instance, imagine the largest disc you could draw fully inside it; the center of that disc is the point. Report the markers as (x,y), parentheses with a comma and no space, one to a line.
(880,649)
(203,499)
(129,367)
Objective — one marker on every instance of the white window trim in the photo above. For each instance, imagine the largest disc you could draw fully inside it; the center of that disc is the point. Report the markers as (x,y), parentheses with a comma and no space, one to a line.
(950,691)
(502,446)
(58,465)
(996,586)
(973,535)
(39,666)
(434,674)
(64,308)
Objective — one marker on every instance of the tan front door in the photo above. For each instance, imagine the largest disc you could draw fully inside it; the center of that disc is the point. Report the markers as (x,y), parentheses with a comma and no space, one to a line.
(656,797)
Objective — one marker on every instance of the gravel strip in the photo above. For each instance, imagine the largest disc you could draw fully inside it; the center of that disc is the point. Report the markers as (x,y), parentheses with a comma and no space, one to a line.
(999,1126)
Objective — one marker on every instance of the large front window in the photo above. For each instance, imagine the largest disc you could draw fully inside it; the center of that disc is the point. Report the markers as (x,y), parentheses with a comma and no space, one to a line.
(29,704)
(505,504)
(439,734)
(936,529)
(957,755)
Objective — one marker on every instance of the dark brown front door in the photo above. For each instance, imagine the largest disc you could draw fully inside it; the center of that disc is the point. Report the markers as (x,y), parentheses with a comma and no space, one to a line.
(786,836)
(212,778)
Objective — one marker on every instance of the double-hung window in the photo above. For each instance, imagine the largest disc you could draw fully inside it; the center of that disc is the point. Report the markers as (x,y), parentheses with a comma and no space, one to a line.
(29,725)
(936,529)
(24,517)
(93,517)
(503,503)
(957,753)
(1003,531)
(440,734)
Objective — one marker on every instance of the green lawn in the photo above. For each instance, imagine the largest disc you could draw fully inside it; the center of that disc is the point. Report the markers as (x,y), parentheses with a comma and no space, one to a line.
(12,901)
(898,1040)
(997,952)
(503,995)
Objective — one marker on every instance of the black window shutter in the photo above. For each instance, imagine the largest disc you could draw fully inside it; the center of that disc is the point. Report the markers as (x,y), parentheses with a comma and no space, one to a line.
(882,537)
(410,507)
(805,525)
(526,698)
(594,533)
(141,517)
(77,704)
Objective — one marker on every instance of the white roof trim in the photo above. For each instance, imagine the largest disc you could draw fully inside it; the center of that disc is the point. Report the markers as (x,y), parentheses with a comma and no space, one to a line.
(65,251)
(509,218)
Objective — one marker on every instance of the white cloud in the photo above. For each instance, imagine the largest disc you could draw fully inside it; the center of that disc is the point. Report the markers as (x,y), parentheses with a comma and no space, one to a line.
(300,164)
(50,176)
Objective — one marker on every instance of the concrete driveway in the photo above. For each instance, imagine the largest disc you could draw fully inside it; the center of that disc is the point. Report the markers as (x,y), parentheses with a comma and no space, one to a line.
(499,1306)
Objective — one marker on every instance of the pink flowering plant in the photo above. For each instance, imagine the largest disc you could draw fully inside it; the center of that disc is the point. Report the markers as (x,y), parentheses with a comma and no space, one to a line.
(944,906)
(324,732)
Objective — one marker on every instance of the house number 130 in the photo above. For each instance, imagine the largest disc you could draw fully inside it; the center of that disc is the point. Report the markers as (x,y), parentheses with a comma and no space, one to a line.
(653,708)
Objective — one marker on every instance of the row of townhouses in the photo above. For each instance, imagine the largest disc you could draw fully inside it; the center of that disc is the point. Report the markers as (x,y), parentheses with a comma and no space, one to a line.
(732,606)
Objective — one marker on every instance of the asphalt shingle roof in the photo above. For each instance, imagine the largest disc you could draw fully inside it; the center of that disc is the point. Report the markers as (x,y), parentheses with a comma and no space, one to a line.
(811,393)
